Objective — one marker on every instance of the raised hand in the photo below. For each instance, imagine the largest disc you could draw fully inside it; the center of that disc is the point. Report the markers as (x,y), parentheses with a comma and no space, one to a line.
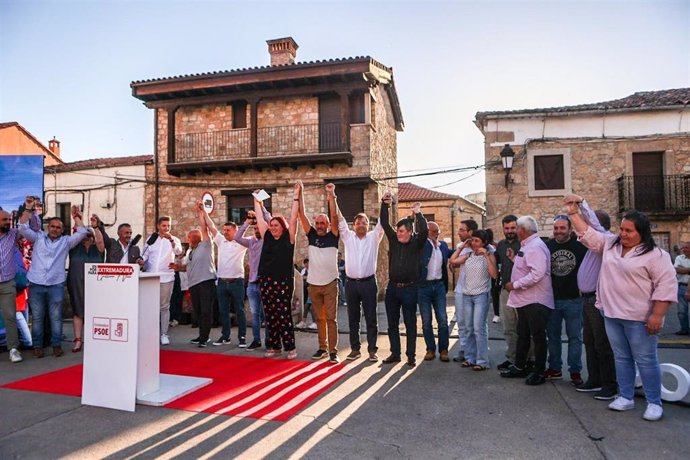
(416,208)
(94,221)
(387,198)
(76,213)
(29,202)
(330,189)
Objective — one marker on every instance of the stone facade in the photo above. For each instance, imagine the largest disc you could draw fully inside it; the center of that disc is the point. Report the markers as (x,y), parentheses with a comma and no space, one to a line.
(373,149)
(595,166)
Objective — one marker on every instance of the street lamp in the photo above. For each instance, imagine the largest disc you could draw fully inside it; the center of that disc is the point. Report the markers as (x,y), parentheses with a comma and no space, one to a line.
(507,157)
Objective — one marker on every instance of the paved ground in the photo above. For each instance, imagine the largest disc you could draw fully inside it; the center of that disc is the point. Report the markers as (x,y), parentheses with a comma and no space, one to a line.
(434,410)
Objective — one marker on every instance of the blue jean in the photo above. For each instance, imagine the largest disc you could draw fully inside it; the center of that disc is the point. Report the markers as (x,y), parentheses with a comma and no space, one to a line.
(632,345)
(405,298)
(231,291)
(23,329)
(256,309)
(569,310)
(46,298)
(475,310)
(432,295)
(683,308)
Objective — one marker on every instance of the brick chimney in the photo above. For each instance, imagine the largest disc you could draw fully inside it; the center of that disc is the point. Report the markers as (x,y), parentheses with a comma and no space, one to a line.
(282,50)
(54,146)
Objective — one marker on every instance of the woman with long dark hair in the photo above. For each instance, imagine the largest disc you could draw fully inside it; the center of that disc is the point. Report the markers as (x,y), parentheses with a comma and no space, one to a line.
(637,283)
(276,277)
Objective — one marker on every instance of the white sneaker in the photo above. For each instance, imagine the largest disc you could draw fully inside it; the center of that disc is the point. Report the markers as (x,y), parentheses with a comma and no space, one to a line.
(653,413)
(622,404)
(301,325)
(313,326)
(173,323)
(496,320)
(15,356)
(165,340)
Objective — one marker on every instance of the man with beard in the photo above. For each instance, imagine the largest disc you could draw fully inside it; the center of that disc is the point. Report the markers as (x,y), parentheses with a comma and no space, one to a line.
(119,251)
(323,275)
(47,274)
(566,257)
(505,250)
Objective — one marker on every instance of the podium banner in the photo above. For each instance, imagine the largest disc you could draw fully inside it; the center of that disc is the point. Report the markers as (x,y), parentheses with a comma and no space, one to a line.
(111,317)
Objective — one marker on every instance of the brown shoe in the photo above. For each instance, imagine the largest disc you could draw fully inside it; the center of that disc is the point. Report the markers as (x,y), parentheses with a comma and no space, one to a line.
(57,352)
(372,357)
(354,354)
(430,355)
(38,352)
(444,356)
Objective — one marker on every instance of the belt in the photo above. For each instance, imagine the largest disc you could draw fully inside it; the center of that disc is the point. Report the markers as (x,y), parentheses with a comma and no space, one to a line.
(588,294)
(683,284)
(230,280)
(360,280)
(403,285)
(440,280)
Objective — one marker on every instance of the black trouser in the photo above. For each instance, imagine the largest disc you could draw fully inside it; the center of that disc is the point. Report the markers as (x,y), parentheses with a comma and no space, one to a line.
(362,292)
(203,295)
(601,366)
(496,296)
(532,320)
(405,298)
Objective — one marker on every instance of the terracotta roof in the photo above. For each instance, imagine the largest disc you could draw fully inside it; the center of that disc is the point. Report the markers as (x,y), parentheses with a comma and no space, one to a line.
(412,192)
(99,163)
(46,150)
(254,79)
(645,100)
(267,68)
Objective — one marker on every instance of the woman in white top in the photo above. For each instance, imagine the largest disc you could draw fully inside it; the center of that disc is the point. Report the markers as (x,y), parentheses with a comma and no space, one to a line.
(479,267)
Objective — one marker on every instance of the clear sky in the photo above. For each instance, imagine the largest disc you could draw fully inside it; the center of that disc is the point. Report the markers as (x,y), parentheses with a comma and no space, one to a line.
(66,66)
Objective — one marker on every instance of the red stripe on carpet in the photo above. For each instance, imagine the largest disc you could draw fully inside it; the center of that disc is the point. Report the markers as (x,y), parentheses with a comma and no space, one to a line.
(274,389)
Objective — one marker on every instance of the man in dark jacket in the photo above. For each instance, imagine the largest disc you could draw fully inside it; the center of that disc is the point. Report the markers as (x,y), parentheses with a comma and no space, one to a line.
(404,255)
(433,286)
(116,249)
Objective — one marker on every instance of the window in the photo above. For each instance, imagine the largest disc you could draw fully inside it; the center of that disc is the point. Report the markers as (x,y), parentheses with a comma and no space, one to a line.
(549,172)
(239,114)
(64,212)
(239,202)
(356,104)
(350,200)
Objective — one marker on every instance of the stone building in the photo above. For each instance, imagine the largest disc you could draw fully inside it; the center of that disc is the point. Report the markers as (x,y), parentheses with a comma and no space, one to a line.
(445,209)
(629,153)
(232,132)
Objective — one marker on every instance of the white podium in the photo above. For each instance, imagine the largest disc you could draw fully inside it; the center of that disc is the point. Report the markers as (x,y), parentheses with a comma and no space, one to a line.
(122,341)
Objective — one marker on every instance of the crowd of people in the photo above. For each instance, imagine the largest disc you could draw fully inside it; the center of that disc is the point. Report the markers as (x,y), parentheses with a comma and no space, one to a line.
(610,291)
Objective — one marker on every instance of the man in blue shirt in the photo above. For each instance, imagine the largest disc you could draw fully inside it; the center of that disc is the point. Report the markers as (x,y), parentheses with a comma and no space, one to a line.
(47,273)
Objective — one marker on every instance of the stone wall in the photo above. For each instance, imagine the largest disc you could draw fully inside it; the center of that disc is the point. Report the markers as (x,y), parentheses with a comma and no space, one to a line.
(374,150)
(595,166)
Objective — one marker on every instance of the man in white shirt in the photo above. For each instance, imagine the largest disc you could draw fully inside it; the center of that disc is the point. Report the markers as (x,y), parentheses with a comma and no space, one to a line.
(361,255)
(159,253)
(230,288)
(682,266)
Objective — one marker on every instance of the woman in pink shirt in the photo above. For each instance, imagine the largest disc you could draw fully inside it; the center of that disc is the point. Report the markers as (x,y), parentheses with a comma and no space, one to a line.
(637,283)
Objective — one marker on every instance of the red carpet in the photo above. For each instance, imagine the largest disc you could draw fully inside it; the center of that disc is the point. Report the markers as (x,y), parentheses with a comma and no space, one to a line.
(262,388)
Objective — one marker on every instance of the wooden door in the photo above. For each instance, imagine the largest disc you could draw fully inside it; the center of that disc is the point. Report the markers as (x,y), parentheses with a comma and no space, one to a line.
(329,123)
(648,180)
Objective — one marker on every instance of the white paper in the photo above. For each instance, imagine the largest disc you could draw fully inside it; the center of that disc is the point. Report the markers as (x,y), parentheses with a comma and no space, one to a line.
(261,195)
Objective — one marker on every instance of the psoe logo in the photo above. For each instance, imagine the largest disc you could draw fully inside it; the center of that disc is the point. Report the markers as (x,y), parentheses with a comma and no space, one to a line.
(120,272)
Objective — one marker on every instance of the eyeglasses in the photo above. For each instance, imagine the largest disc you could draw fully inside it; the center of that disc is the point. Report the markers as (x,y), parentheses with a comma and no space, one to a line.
(561,217)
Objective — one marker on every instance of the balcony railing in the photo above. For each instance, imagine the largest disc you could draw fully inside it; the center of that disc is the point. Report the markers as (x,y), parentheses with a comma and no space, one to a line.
(215,145)
(654,194)
(271,141)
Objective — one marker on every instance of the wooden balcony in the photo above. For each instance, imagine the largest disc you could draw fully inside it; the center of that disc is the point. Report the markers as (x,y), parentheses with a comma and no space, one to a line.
(660,197)
(276,146)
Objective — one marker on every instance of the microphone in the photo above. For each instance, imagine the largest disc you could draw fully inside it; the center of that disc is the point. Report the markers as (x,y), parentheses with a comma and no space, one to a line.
(132,243)
(152,239)
(135,241)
